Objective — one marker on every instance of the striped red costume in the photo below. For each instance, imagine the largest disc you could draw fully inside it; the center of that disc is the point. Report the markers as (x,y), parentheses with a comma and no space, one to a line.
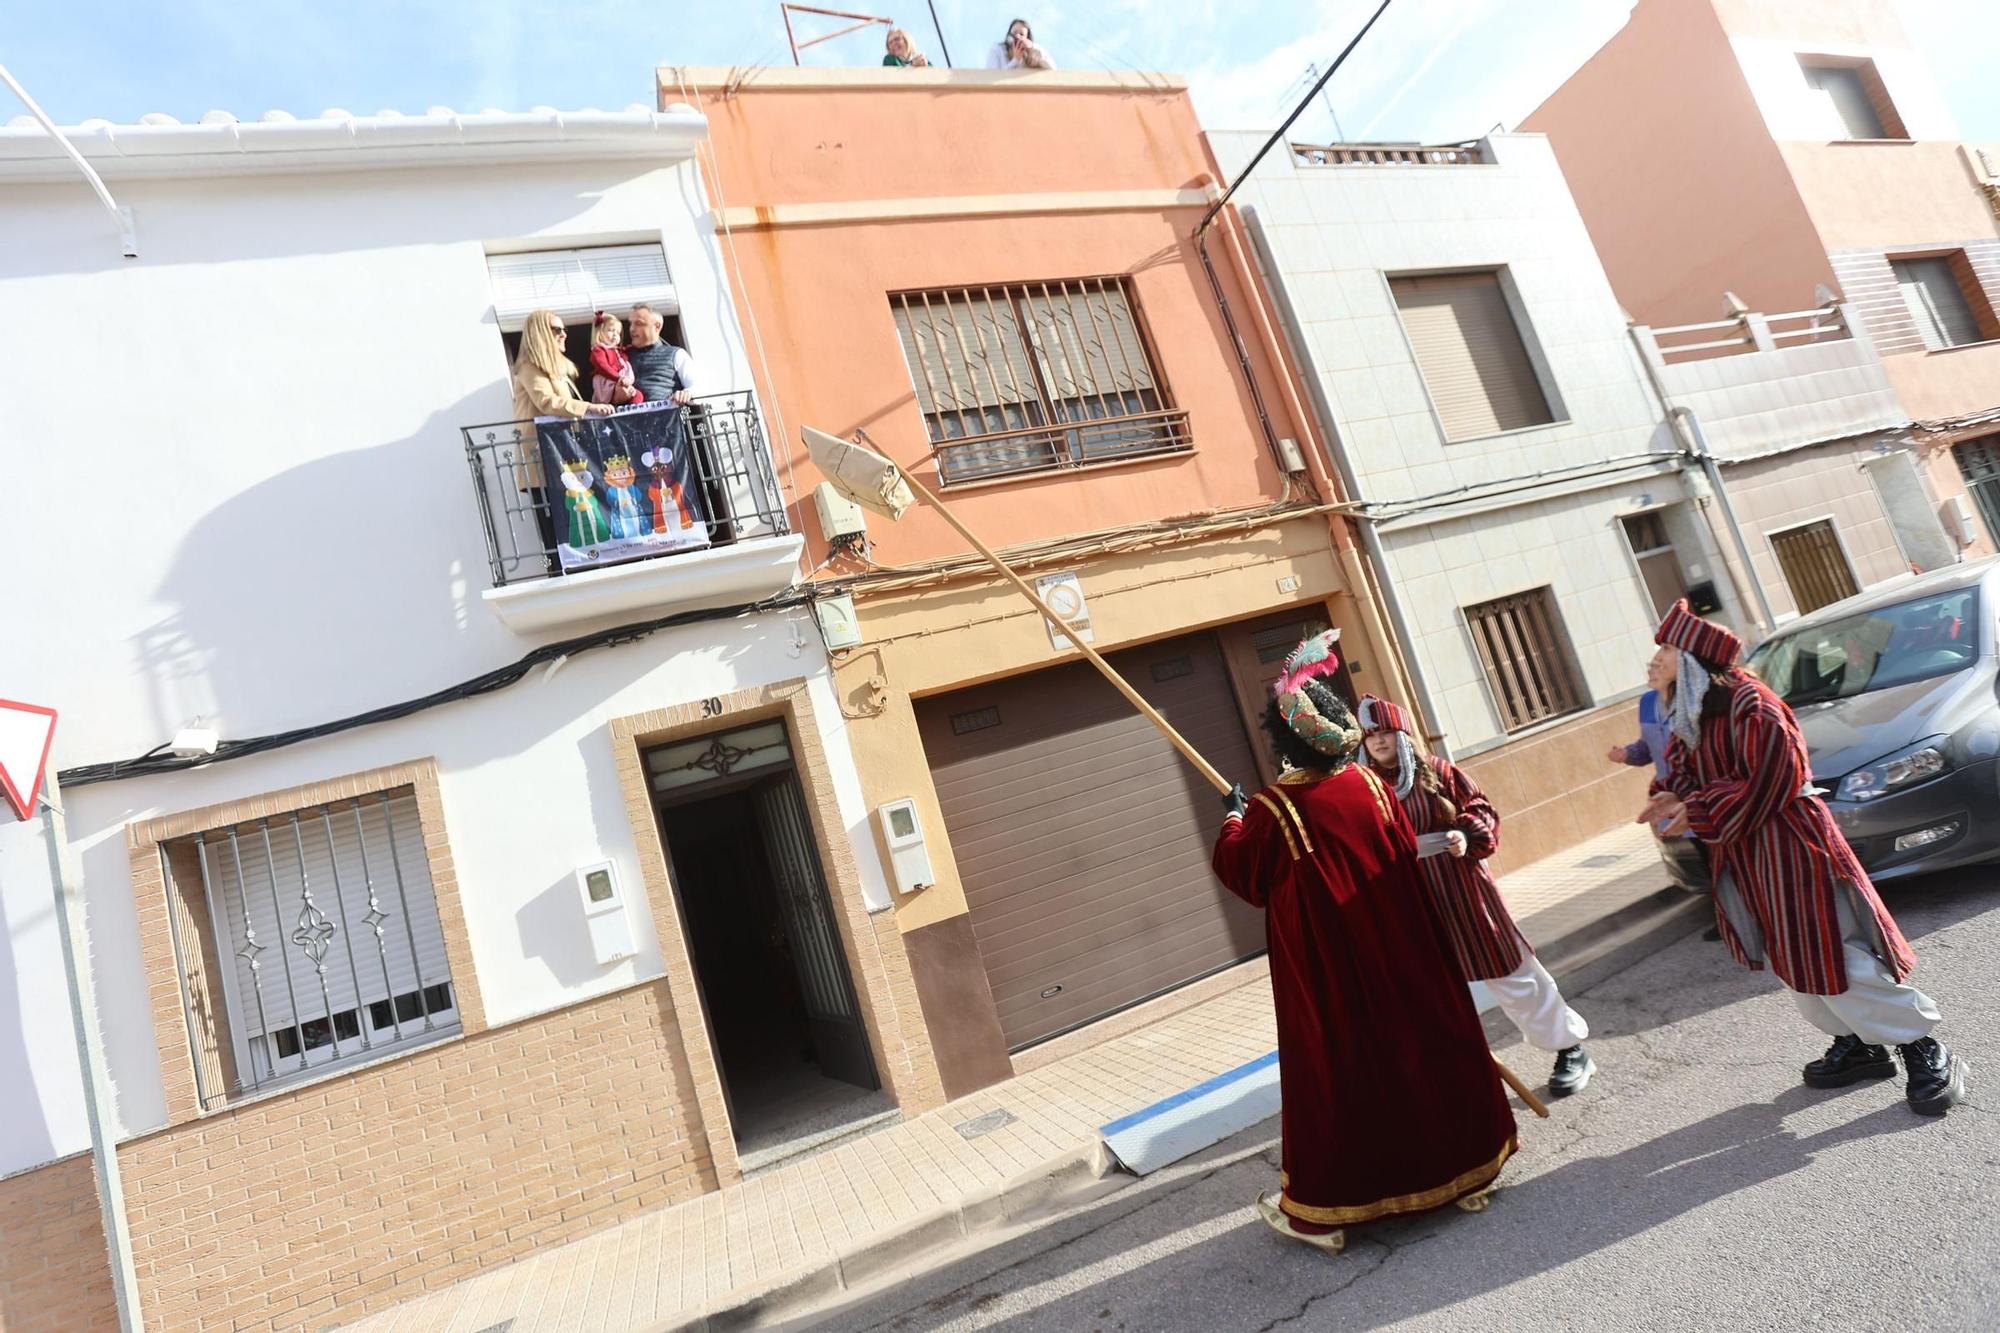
(1788,888)
(1463,893)
(1742,788)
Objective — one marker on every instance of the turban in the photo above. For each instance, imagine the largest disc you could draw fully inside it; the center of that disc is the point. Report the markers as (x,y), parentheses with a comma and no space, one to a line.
(1313,712)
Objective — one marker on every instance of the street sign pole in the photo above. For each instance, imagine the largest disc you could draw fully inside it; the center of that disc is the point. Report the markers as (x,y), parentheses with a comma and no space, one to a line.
(90,1057)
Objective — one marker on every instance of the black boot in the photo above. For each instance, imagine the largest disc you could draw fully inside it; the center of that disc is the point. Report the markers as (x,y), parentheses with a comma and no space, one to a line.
(1573,1069)
(1849,1060)
(1937,1077)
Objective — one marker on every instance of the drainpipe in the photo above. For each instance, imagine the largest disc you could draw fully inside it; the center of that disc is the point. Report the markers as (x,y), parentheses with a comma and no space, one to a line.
(1378,564)
(1358,573)
(1685,420)
(1687,428)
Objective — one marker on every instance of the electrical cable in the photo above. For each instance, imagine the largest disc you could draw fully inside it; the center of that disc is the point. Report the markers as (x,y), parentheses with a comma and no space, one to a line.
(488,682)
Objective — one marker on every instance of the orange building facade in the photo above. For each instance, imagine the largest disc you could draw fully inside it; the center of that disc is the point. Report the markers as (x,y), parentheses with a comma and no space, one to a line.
(994,277)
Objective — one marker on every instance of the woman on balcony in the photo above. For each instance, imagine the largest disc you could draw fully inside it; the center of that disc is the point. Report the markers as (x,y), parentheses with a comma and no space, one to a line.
(545,385)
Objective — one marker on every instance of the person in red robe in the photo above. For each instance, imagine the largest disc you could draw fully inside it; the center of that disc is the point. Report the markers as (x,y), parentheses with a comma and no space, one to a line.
(1392,1103)
(1444,804)
(1788,888)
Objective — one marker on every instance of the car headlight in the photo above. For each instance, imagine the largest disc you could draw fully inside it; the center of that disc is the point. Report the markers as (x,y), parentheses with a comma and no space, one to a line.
(1919,763)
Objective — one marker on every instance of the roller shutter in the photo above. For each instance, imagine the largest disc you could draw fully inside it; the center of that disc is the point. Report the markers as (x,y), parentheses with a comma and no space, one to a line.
(1083,839)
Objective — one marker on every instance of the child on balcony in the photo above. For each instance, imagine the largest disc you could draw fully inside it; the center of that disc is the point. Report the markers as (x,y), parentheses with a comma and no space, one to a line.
(611,378)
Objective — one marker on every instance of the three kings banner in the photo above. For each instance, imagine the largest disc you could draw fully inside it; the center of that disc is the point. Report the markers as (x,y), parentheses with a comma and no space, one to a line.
(629,486)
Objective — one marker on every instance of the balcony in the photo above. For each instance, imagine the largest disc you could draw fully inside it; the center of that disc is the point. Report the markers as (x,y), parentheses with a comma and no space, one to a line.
(738,548)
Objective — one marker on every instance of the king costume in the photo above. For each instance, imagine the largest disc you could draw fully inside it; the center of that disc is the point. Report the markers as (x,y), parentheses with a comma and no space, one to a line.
(1392,1103)
(1440,797)
(1788,889)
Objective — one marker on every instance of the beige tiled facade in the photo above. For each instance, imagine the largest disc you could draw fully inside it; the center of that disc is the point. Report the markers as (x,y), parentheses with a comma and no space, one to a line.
(1555,788)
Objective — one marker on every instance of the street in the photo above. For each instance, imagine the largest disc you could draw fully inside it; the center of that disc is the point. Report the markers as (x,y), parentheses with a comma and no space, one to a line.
(1696,1184)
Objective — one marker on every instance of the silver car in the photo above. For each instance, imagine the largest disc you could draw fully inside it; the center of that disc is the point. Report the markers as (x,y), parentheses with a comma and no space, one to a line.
(1896,693)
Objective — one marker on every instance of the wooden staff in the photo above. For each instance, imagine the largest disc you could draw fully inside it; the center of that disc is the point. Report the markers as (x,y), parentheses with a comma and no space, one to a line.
(1521,1089)
(1132,696)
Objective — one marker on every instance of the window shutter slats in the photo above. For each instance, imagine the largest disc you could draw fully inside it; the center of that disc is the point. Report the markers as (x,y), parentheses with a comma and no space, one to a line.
(1470,353)
(577,283)
(1931,292)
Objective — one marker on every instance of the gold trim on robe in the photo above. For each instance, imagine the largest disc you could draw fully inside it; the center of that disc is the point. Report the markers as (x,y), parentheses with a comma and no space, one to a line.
(1476,1178)
(1291,845)
(1297,822)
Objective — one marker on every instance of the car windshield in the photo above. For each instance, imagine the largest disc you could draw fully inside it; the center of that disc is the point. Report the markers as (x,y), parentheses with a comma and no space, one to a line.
(1873,650)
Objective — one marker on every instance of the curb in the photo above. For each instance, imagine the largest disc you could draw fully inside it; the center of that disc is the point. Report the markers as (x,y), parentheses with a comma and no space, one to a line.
(1076,1177)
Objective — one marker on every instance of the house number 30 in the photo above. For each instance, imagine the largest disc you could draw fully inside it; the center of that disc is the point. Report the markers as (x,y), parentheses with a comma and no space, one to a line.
(711,708)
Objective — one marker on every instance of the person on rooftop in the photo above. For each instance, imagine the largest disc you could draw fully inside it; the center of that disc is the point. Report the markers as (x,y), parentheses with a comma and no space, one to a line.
(903,52)
(1018,50)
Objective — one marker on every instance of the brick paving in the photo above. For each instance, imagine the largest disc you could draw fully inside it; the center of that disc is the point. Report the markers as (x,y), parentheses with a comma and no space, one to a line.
(675,1262)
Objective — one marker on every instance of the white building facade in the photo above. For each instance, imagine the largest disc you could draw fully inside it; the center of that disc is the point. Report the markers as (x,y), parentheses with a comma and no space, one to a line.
(1467,358)
(272,500)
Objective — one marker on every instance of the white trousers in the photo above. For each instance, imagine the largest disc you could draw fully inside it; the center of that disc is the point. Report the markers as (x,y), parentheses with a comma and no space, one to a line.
(1875,1006)
(1528,996)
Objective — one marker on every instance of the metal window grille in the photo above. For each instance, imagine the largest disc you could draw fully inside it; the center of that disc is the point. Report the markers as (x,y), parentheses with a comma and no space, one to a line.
(732,466)
(1527,657)
(1815,567)
(306,941)
(1035,376)
(1979,461)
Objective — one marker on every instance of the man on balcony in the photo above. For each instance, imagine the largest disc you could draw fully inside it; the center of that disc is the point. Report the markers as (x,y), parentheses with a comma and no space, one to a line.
(664,372)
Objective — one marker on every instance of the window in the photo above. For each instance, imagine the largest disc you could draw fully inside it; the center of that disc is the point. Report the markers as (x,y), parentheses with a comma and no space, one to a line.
(1032,377)
(1858,100)
(307,940)
(1473,358)
(1522,646)
(1894,645)
(1979,462)
(1659,567)
(575,284)
(1815,567)
(1945,299)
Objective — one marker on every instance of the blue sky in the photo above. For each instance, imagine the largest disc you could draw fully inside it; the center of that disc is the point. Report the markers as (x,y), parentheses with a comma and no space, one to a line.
(1432,69)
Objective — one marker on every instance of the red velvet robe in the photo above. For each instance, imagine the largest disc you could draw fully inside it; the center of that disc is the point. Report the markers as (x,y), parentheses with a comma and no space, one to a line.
(1391,1100)
(1464,894)
(1783,850)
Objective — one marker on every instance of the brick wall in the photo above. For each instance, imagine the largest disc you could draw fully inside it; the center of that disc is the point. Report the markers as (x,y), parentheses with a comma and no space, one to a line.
(54,1275)
(317,1206)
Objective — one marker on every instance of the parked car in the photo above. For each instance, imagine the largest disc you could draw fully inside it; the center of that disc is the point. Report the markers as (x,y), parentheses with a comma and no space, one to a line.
(1895,691)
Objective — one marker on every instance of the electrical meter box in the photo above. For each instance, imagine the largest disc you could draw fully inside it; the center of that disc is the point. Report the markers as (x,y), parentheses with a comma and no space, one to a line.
(903,834)
(838,516)
(604,913)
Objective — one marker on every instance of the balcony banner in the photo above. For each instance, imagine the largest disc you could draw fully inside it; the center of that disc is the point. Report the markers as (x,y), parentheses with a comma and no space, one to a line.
(629,489)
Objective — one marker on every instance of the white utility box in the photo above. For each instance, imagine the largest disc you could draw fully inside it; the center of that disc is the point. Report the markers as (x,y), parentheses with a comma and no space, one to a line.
(604,912)
(838,515)
(903,834)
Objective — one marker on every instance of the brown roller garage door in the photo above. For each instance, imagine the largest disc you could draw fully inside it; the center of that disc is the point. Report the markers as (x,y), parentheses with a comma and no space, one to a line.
(1083,839)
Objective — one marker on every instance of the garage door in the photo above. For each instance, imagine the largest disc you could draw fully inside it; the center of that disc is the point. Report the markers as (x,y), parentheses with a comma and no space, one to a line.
(1083,838)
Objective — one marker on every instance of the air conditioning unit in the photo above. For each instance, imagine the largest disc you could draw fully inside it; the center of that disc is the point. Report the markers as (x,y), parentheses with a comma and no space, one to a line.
(838,516)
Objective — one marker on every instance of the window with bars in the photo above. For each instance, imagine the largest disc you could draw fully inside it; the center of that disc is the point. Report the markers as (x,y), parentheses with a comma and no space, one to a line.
(1815,567)
(305,941)
(1527,658)
(1035,376)
(1979,462)
(1944,296)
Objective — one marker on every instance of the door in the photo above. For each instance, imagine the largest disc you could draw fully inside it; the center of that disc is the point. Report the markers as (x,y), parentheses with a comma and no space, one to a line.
(1083,838)
(835,1019)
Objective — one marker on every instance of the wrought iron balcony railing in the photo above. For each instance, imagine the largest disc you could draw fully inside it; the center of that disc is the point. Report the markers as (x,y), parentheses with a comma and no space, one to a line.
(737,489)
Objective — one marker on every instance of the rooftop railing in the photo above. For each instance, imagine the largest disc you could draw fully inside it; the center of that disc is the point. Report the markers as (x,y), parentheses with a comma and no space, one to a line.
(1389,154)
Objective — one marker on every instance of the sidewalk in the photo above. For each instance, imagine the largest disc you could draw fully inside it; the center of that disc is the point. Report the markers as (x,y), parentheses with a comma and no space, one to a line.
(809,1229)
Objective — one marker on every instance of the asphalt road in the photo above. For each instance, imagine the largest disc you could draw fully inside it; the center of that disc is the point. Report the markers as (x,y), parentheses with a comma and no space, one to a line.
(1695,1185)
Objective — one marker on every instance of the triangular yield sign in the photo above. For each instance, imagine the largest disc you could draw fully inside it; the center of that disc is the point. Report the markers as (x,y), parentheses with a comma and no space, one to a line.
(26,732)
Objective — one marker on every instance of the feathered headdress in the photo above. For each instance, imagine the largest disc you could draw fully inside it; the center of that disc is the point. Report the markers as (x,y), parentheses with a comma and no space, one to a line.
(1327,729)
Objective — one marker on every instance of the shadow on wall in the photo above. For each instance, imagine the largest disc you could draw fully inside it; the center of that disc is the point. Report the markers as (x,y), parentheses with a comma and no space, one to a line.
(375,618)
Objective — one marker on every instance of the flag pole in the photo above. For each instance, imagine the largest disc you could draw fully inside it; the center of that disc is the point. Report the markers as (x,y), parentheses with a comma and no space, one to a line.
(1132,696)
